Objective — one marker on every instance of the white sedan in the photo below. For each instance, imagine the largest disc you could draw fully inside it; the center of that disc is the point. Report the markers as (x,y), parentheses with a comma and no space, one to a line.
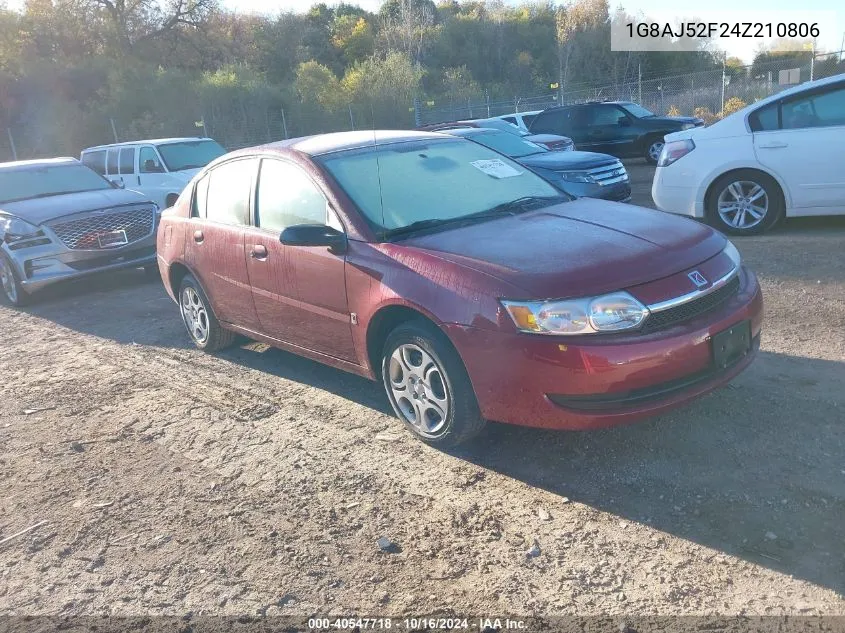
(783,156)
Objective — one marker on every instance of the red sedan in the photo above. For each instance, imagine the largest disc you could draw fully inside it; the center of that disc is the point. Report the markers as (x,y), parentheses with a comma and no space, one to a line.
(472,288)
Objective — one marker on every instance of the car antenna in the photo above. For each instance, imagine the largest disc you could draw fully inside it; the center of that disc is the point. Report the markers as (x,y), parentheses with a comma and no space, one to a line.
(378,170)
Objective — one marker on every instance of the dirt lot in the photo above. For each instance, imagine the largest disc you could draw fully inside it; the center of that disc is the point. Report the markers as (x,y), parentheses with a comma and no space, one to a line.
(164,481)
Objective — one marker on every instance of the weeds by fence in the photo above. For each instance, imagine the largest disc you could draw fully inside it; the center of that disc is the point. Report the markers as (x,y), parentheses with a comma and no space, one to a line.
(236,120)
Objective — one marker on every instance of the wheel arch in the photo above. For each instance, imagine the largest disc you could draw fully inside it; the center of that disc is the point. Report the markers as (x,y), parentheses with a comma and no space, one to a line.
(385,320)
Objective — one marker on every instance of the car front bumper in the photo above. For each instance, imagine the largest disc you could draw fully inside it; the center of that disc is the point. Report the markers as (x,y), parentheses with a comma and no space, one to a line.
(40,266)
(571,383)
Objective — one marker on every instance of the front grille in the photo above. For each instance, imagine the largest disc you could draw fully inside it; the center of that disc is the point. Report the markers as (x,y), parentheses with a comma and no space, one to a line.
(85,232)
(609,174)
(691,309)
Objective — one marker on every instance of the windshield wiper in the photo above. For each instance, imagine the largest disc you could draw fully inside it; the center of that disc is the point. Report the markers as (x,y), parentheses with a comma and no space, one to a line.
(512,207)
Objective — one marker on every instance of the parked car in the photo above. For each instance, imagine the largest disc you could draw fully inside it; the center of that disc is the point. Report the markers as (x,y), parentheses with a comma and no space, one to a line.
(158,168)
(553,142)
(522,120)
(619,128)
(780,157)
(577,173)
(468,285)
(60,220)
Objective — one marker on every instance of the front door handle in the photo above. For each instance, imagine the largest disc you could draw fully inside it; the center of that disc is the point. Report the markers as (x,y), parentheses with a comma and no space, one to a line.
(774,145)
(198,237)
(259,251)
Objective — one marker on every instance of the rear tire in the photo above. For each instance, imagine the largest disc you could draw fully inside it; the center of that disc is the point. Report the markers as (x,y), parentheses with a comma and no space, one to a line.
(653,147)
(10,286)
(428,386)
(744,202)
(203,327)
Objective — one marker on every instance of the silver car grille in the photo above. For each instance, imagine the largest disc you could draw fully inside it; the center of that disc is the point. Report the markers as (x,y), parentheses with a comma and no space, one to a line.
(609,174)
(86,232)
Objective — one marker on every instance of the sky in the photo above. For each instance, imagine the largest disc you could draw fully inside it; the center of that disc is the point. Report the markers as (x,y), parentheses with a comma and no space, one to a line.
(831,26)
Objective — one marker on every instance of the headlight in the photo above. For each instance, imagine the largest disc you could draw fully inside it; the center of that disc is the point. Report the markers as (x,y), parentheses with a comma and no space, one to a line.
(732,252)
(687,126)
(576,176)
(674,150)
(607,313)
(13,229)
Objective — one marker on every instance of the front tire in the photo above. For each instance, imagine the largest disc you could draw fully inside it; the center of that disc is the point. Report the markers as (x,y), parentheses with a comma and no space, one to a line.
(203,327)
(745,202)
(428,386)
(10,285)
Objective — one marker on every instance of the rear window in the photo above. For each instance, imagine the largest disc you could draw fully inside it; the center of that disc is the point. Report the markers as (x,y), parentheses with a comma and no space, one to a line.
(96,161)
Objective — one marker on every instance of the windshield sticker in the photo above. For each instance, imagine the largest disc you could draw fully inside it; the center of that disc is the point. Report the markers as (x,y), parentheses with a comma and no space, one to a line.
(496,168)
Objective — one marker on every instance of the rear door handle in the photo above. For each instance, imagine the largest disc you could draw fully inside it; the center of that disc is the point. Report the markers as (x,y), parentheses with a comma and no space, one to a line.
(198,237)
(259,251)
(774,145)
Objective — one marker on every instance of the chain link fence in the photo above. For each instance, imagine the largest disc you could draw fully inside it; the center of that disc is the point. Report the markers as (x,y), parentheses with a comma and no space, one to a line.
(240,121)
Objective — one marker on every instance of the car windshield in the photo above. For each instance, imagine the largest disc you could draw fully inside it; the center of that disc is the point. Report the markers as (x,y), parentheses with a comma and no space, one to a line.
(189,154)
(507,144)
(43,181)
(432,183)
(637,110)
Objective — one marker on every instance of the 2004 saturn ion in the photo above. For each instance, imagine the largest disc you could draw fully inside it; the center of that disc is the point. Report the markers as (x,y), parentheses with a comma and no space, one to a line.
(472,288)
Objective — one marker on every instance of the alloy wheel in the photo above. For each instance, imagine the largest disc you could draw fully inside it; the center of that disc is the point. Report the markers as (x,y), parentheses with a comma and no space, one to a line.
(417,385)
(654,150)
(7,280)
(743,204)
(195,315)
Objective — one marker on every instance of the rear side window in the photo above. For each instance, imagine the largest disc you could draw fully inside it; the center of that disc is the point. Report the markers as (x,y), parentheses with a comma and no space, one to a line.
(766,118)
(554,121)
(229,186)
(112,161)
(509,119)
(96,161)
(528,119)
(127,160)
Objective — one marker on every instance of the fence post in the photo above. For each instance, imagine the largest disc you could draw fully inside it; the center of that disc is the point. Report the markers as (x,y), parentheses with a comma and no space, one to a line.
(284,123)
(113,130)
(724,60)
(639,83)
(516,104)
(469,107)
(487,99)
(351,119)
(812,58)
(417,114)
(12,143)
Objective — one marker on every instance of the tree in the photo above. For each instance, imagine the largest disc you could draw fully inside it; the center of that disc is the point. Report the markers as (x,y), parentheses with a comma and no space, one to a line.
(317,85)
(408,26)
(353,35)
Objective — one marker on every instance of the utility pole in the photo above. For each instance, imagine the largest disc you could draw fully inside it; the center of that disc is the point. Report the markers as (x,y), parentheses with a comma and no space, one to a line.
(724,62)
(284,123)
(639,83)
(812,58)
(113,130)
(351,118)
(12,144)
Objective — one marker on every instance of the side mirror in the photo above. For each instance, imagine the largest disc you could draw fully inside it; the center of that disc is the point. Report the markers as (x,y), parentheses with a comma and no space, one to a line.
(314,235)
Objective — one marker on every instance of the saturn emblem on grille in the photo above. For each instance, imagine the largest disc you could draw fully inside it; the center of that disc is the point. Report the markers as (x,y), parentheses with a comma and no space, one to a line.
(698,279)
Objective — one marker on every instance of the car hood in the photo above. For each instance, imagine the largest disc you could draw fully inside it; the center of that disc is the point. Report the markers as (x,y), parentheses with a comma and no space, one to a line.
(548,138)
(40,210)
(579,248)
(673,120)
(558,161)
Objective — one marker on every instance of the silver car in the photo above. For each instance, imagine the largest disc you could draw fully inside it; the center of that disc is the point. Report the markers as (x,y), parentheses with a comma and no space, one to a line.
(60,220)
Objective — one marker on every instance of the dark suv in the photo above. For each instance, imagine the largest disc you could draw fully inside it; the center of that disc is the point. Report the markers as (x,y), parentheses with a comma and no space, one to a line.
(620,128)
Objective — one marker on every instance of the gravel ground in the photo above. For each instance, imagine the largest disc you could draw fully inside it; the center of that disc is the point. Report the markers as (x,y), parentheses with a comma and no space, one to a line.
(164,481)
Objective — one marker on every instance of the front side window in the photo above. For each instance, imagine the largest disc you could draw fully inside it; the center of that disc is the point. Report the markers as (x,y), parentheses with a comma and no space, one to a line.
(127,160)
(605,115)
(286,196)
(397,185)
(189,154)
(96,161)
(149,162)
(43,181)
(228,192)
(637,110)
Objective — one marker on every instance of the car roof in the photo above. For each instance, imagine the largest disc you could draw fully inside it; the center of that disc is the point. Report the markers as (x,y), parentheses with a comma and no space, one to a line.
(150,141)
(40,162)
(807,85)
(340,141)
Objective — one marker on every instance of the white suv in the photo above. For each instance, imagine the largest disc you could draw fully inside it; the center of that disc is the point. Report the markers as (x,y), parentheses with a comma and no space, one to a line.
(782,156)
(158,168)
